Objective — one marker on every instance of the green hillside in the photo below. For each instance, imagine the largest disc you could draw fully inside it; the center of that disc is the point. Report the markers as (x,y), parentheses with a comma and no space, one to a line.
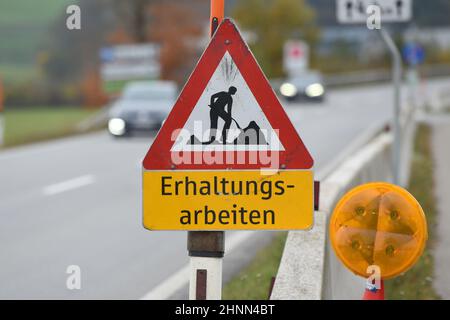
(24,25)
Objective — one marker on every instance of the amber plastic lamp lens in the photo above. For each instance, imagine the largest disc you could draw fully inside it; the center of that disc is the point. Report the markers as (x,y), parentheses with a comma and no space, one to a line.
(378,224)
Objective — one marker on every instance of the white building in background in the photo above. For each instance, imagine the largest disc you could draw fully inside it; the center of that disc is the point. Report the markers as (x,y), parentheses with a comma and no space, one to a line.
(366,44)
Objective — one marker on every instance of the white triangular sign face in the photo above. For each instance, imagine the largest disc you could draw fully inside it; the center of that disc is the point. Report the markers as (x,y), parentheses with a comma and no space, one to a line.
(227,109)
(227,102)
(227,156)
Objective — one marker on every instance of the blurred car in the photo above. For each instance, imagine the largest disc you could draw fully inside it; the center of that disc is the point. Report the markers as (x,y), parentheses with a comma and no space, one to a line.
(142,106)
(306,86)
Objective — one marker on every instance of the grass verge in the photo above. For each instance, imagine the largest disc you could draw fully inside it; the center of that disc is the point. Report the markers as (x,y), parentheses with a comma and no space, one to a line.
(24,126)
(417,283)
(253,282)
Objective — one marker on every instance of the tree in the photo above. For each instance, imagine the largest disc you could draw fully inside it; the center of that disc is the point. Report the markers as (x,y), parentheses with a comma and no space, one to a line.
(176,27)
(273,22)
(133,15)
(72,58)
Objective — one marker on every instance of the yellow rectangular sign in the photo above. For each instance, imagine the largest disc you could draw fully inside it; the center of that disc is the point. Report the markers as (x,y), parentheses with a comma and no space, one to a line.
(228,200)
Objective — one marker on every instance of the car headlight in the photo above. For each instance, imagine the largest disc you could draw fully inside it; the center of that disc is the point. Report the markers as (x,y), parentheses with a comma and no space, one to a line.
(314,90)
(116,126)
(288,90)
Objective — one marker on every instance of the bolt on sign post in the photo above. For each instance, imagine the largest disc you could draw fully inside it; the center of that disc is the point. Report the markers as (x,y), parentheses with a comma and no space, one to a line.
(226,158)
(378,225)
(358,12)
(396,79)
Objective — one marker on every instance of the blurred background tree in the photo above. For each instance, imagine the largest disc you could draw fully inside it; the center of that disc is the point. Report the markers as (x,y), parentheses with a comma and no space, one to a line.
(177,28)
(44,63)
(273,22)
(72,57)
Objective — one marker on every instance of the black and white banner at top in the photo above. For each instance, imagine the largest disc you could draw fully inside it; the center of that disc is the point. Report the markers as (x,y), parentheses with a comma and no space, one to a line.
(358,11)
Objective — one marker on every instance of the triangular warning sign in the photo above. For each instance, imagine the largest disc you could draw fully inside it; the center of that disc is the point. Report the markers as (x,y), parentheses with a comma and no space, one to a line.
(227,116)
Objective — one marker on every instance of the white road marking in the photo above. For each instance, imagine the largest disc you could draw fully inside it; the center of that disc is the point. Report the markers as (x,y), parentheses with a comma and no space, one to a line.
(179,279)
(68,185)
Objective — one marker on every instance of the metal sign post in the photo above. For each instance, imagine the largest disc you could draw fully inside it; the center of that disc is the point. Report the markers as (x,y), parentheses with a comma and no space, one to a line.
(207,248)
(396,79)
(355,11)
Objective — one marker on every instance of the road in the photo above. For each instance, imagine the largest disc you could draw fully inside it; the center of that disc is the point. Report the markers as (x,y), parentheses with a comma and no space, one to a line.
(77,201)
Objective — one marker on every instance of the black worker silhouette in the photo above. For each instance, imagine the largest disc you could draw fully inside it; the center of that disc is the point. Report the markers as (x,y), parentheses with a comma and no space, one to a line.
(218,103)
(221,105)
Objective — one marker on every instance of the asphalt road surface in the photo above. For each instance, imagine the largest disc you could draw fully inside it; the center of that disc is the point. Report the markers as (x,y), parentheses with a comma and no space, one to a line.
(77,201)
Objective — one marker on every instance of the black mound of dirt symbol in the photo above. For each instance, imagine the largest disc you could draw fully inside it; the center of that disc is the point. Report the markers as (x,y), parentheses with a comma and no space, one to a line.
(221,107)
(196,141)
(251,135)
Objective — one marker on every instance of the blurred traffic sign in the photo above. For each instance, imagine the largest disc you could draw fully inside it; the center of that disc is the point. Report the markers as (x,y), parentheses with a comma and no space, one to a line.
(414,54)
(373,13)
(355,11)
(296,57)
(378,224)
(227,157)
(123,63)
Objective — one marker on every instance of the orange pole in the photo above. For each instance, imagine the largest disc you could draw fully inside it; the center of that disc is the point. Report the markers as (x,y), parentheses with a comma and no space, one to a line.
(217,14)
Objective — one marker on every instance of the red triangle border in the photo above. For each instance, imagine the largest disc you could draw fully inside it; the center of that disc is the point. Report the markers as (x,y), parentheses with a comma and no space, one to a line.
(228,38)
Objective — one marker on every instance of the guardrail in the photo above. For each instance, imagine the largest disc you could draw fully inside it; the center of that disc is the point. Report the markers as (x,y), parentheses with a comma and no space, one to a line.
(372,76)
(356,78)
(309,269)
(375,76)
